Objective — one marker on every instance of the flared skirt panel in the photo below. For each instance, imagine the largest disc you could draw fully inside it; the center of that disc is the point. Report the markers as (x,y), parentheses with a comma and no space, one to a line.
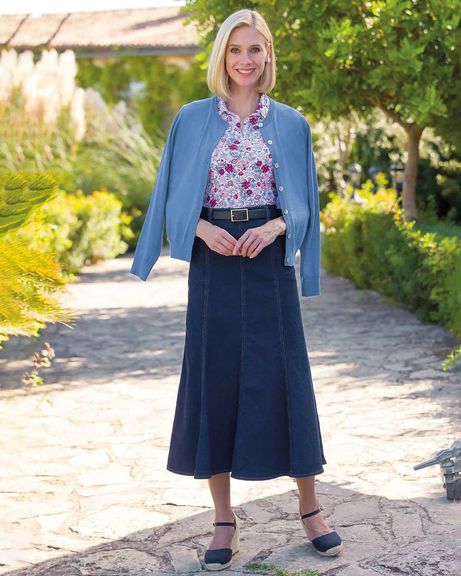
(245,401)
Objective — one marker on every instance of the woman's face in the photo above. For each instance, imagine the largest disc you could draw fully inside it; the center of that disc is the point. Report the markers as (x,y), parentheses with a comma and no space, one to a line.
(245,56)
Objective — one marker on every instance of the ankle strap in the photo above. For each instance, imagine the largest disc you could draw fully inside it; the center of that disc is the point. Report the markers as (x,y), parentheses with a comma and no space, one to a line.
(224,523)
(311,513)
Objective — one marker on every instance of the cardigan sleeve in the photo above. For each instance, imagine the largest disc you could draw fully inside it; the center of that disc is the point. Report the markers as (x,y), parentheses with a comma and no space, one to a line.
(150,240)
(310,247)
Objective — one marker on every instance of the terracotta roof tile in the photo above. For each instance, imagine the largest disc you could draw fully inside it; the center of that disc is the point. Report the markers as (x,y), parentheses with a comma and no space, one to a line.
(143,28)
(8,25)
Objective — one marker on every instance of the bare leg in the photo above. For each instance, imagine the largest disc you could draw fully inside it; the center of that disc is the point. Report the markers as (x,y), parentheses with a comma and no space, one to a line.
(220,492)
(309,502)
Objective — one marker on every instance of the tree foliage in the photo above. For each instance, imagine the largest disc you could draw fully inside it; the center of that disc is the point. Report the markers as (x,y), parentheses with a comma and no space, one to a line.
(335,56)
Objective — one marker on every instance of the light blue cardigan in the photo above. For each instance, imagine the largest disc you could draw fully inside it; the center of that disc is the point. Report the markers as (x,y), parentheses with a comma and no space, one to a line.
(179,189)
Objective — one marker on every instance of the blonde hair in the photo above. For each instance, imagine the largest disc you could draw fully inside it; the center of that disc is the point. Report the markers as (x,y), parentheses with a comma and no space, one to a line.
(217,77)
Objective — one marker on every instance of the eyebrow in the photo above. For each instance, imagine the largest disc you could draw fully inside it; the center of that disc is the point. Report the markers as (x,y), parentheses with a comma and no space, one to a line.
(238,45)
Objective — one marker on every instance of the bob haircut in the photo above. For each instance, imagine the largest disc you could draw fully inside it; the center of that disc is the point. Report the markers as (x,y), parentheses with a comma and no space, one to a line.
(217,76)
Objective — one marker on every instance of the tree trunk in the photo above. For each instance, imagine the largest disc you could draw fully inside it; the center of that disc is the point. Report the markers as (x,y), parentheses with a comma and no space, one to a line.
(411,172)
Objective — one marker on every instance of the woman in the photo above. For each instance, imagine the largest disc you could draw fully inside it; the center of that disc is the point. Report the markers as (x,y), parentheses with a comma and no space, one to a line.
(238,189)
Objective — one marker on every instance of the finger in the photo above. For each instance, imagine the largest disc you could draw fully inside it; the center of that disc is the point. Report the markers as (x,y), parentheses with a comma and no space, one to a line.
(223,249)
(228,244)
(238,244)
(228,236)
(228,247)
(244,241)
(248,245)
(257,250)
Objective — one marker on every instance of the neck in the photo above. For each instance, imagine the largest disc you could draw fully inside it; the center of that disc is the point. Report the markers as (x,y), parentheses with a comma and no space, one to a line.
(243,98)
(243,94)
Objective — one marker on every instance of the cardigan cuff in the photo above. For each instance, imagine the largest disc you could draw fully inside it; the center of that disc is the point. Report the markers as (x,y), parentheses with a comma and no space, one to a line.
(310,285)
(140,270)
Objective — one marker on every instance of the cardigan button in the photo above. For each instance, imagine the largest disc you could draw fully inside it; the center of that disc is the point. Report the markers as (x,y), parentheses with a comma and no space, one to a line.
(276,164)
(289,235)
(288,260)
(260,124)
(286,211)
(280,188)
(269,141)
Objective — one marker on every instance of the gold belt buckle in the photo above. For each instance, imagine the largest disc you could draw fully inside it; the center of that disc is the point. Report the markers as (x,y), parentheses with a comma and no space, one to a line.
(239,210)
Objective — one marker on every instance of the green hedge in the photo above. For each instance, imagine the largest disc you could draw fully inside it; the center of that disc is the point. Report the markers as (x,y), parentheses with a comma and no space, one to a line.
(371,244)
(80,229)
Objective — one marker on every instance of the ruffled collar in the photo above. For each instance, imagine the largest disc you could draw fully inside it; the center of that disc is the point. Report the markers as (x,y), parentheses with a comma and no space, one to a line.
(261,111)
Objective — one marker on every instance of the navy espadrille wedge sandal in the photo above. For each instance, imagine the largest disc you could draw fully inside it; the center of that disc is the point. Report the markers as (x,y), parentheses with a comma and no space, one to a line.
(326,545)
(221,558)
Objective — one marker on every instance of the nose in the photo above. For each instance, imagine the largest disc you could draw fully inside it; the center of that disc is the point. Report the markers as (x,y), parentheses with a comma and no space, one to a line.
(246,58)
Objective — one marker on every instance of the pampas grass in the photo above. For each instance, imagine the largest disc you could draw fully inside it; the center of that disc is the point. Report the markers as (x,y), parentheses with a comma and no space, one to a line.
(47,122)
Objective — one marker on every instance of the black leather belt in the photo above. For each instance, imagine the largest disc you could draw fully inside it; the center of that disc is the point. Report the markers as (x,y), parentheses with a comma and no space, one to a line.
(239,214)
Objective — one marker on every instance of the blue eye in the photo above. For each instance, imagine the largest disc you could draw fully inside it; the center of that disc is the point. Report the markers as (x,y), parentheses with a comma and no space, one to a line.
(256,48)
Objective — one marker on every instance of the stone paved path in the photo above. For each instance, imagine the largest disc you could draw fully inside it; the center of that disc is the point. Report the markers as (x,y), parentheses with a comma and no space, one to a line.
(84,489)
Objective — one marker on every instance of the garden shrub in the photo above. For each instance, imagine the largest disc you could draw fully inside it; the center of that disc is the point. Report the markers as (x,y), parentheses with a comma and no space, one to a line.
(80,229)
(371,244)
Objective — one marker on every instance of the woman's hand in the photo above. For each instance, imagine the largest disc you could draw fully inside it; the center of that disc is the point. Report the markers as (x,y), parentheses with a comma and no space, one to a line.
(253,240)
(216,238)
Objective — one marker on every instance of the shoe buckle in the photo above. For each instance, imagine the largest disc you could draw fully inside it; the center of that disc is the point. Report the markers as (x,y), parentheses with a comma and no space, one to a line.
(244,210)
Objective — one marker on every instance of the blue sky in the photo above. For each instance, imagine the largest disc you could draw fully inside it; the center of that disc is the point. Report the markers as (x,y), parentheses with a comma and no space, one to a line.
(58,6)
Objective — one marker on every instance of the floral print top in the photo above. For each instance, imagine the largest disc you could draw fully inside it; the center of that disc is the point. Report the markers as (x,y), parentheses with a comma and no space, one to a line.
(240,174)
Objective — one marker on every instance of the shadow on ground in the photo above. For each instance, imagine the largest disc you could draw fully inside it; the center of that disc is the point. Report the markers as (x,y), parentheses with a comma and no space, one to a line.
(380,536)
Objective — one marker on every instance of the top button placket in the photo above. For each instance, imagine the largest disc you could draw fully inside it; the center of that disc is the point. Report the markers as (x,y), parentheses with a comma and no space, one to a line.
(282,204)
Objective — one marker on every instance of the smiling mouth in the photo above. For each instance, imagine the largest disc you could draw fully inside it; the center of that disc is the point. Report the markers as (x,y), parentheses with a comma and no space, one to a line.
(245,72)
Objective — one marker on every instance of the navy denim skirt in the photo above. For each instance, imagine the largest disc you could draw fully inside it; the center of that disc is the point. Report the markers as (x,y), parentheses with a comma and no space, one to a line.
(245,401)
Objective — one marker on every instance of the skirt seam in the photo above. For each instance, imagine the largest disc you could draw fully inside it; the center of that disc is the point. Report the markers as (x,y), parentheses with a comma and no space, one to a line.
(282,343)
(242,355)
(203,364)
